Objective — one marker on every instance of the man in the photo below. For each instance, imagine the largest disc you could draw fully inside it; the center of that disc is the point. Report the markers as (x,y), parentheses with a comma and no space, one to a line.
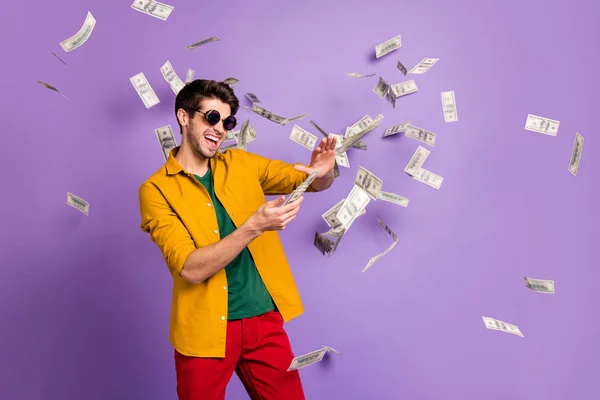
(232,285)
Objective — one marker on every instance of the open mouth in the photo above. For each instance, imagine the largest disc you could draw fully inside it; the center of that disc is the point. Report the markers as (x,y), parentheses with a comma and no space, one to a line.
(212,141)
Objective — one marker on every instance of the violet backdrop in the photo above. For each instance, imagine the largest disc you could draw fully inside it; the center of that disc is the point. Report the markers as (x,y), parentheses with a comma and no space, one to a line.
(85,301)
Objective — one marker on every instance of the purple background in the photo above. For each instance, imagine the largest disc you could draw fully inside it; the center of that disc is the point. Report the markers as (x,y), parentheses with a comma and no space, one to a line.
(85,301)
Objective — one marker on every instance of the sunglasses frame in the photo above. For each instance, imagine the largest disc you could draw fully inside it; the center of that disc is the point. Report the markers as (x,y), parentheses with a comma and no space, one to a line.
(206,113)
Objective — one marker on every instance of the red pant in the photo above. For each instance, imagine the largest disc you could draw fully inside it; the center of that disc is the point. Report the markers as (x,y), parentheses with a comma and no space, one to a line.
(258,350)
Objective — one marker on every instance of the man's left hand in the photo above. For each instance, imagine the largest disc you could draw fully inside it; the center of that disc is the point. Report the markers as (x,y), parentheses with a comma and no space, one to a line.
(322,159)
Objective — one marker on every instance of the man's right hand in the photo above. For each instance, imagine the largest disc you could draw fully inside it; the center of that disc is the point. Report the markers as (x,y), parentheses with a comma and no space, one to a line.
(272,216)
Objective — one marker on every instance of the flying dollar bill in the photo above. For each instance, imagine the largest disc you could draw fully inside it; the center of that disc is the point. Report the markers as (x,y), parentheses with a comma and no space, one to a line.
(153,8)
(352,140)
(393,198)
(171,77)
(189,77)
(230,81)
(340,158)
(358,75)
(541,125)
(166,140)
(310,358)
(421,135)
(302,188)
(394,237)
(428,178)
(144,90)
(358,126)
(278,119)
(329,216)
(78,203)
(449,106)
(303,138)
(382,88)
(401,68)
(416,161)
(497,325)
(388,46)
(242,140)
(404,88)
(392,130)
(324,244)
(368,181)
(81,36)
(423,66)
(203,42)
(540,285)
(51,87)
(352,206)
(576,154)
(252,97)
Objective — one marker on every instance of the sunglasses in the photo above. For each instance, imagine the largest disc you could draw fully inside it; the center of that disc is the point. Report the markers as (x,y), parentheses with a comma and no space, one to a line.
(213,117)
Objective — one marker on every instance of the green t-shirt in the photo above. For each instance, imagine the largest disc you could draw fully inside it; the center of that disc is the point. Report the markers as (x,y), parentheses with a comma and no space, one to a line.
(247,294)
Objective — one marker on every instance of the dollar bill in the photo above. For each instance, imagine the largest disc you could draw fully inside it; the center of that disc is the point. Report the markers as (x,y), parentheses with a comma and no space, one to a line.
(231,135)
(388,46)
(203,42)
(166,140)
(340,158)
(352,206)
(263,112)
(404,88)
(358,126)
(59,59)
(153,8)
(497,325)
(540,285)
(296,118)
(393,198)
(51,87)
(392,130)
(242,139)
(401,68)
(171,77)
(391,97)
(310,358)
(358,75)
(324,244)
(144,90)
(302,188)
(252,97)
(576,154)
(394,237)
(189,76)
(81,36)
(330,217)
(251,134)
(352,140)
(542,125)
(368,181)
(382,88)
(416,161)
(230,81)
(360,145)
(303,137)
(428,178)
(78,203)
(423,66)
(449,106)
(421,135)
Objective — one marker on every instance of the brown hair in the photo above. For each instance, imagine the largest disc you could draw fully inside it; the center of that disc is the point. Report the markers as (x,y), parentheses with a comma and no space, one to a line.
(194,92)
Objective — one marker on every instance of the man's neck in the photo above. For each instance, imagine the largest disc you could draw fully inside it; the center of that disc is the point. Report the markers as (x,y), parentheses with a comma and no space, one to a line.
(191,162)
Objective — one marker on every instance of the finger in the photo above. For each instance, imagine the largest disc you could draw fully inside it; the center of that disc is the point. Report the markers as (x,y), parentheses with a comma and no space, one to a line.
(290,206)
(287,221)
(331,143)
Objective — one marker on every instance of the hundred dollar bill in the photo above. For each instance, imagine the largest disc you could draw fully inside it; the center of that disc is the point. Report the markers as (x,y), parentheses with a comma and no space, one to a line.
(404,88)
(252,97)
(59,59)
(51,87)
(391,97)
(416,161)
(251,134)
(423,66)
(325,245)
(329,216)
(263,112)
(341,158)
(394,237)
(576,154)
(302,188)
(352,140)
(153,8)
(352,206)
(388,46)
(358,126)
(540,285)
(230,81)
(421,135)
(303,137)
(382,88)
(171,77)
(231,135)
(449,106)
(80,37)
(393,198)
(203,42)
(392,130)
(166,140)
(243,136)
(401,68)
(428,178)
(189,76)
(368,181)
(358,75)
(310,358)
(78,203)
(497,325)
(144,90)
(542,125)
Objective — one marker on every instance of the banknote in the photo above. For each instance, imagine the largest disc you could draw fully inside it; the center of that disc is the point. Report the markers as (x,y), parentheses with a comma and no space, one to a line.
(310,358)
(144,90)
(404,88)
(230,81)
(78,203)
(358,75)
(423,66)
(416,161)
(171,77)
(242,139)
(251,134)
(263,112)
(421,135)
(51,87)
(231,135)
(393,198)
(325,245)
(81,36)
(153,8)
(540,285)
(428,178)
(497,325)
(542,125)
(59,59)
(392,130)
(189,77)
(341,158)
(166,140)
(302,188)
(203,42)
(449,106)
(303,137)
(382,88)
(330,217)
(401,68)
(368,181)
(358,126)
(352,206)
(394,237)
(252,97)
(388,46)
(576,154)
(296,118)
(352,140)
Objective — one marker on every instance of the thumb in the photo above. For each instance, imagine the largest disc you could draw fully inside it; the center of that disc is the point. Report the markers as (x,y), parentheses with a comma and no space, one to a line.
(278,201)
(301,168)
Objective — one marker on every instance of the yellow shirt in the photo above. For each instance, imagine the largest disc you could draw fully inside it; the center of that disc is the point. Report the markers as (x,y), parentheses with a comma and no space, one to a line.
(178,214)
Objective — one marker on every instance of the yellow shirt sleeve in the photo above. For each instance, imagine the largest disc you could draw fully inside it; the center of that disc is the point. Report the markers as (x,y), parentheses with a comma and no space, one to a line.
(277,177)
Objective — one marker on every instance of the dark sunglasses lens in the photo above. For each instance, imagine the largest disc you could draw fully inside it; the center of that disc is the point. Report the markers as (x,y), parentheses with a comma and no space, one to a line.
(213,117)
(229,123)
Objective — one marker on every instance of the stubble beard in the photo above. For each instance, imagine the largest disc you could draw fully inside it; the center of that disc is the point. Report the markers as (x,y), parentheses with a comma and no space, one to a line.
(196,142)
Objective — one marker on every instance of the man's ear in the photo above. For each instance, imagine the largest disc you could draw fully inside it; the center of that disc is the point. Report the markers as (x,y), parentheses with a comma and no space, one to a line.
(182,117)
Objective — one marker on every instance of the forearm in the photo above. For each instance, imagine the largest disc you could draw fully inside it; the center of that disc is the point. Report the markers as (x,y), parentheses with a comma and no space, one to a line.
(206,261)
(323,182)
